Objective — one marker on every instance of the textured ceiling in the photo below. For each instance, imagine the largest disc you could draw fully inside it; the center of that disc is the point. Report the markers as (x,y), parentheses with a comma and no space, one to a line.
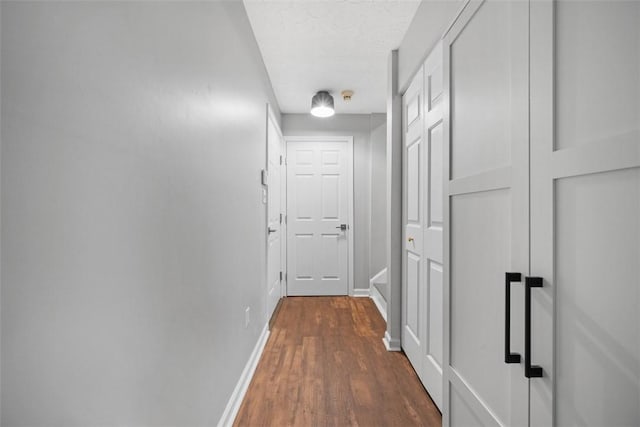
(329,45)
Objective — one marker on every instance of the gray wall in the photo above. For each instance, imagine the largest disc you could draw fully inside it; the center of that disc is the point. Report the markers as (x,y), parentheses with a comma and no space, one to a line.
(359,126)
(132,224)
(431,20)
(378,235)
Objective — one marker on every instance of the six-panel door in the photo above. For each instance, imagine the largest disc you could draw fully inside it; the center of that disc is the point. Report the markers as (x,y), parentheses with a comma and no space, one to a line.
(413,185)
(318,192)
(274,217)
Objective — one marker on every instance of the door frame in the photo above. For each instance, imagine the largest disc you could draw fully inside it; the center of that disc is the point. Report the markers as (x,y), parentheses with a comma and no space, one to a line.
(350,206)
(271,117)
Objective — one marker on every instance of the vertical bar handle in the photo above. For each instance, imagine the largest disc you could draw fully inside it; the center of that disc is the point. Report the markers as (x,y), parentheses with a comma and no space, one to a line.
(509,278)
(530,371)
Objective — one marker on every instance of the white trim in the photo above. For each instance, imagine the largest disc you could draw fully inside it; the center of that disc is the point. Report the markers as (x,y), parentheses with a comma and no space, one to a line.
(390,343)
(394,241)
(361,293)
(376,296)
(233,405)
(350,213)
(381,277)
(380,302)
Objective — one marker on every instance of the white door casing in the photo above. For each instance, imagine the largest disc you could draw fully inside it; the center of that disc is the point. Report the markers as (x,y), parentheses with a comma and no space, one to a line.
(585,213)
(486,211)
(433,338)
(274,210)
(319,203)
(413,214)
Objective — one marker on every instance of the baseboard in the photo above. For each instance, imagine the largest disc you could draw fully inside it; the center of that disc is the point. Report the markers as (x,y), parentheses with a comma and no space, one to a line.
(381,277)
(375,294)
(379,301)
(361,293)
(233,406)
(390,343)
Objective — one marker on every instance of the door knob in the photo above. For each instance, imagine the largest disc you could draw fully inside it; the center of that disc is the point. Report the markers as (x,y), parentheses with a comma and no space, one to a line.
(272,230)
(342,227)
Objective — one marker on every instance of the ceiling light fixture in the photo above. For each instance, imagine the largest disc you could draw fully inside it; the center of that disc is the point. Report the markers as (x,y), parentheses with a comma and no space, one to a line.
(322,104)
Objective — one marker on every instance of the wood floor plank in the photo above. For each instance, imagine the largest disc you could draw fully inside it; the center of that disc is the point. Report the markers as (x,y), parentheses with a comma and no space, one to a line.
(325,365)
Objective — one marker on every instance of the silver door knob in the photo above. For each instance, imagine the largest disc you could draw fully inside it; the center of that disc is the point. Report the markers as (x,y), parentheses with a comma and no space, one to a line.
(272,230)
(342,227)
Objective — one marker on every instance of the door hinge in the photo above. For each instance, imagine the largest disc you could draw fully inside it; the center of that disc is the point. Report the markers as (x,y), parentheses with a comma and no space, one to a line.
(281,276)
(280,218)
(281,160)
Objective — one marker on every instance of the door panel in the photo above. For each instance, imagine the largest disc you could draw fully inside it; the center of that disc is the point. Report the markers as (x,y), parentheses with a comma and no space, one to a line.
(303,249)
(480,99)
(598,61)
(413,181)
(598,296)
(318,197)
(486,217)
(434,322)
(461,413)
(330,196)
(477,315)
(435,174)
(413,296)
(585,213)
(274,218)
(330,262)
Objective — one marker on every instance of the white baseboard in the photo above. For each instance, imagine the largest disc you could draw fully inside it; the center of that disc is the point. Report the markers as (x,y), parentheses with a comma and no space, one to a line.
(381,277)
(233,406)
(390,343)
(361,293)
(375,294)
(379,301)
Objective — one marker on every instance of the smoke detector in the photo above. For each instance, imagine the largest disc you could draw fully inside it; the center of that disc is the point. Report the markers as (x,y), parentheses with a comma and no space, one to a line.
(346,95)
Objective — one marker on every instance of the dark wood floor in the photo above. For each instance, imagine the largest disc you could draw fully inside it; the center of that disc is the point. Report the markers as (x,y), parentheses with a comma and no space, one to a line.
(325,364)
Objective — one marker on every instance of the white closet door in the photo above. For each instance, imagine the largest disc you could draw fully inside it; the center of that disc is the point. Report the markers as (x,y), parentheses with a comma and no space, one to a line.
(585,206)
(486,234)
(413,212)
(433,221)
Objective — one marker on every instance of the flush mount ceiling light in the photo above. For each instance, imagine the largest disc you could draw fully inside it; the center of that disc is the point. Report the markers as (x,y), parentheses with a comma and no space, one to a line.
(322,104)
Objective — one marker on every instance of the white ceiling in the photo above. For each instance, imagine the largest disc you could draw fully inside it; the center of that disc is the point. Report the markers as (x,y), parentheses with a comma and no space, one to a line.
(331,45)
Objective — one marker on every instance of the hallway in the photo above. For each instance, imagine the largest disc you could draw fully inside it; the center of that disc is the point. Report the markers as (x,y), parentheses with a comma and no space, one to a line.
(325,364)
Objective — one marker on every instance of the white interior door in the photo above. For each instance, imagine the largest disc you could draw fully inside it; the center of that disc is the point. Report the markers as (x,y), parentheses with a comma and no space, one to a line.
(433,221)
(413,215)
(585,205)
(487,212)
(422,309)
(274,217)
(319,215)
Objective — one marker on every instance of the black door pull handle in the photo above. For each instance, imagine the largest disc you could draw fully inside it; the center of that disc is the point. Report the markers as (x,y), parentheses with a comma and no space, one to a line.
(530,371)
(508,280)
